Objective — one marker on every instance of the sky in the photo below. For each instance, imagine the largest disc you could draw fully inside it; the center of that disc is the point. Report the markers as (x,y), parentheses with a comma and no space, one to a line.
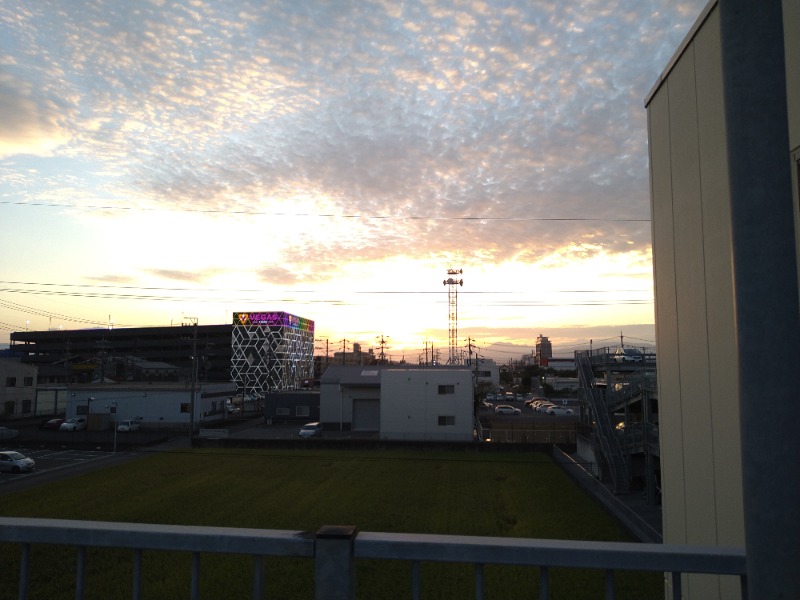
(169,160)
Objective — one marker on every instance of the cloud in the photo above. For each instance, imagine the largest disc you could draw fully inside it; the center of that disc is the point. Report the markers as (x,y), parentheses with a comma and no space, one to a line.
(438,128)
(30,124)
(184,276)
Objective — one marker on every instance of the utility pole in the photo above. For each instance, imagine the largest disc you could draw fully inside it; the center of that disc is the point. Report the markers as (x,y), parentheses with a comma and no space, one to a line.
(193,377)
(383,344)
(469,348)
(344,352)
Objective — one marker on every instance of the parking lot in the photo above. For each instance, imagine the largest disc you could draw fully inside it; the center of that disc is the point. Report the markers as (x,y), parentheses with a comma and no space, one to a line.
(54,463)
(49,461)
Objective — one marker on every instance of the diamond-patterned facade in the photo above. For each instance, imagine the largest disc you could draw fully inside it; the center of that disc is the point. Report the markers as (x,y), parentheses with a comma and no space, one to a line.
(271,351)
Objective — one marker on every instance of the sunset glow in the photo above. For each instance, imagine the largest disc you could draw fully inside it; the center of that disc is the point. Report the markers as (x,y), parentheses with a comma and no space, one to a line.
(332,161)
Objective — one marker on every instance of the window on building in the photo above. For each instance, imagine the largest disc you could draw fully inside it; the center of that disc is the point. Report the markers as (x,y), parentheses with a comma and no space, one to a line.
(282,412)
(447,420)
(11,382)
(26,406)
(28,382)
(447,389)
(302,411)
(185,407)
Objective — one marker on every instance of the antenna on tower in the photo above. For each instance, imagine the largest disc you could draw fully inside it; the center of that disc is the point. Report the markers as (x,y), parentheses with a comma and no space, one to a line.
(452,303)
(383,342)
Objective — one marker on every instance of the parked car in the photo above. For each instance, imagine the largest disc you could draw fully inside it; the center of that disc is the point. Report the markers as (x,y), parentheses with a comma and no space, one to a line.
(544,406)
(627,355)
(14,462)
(559,410)
(8,434)
(73,424)
(487,405)
(128,426)
(311,430)
(505,409)
(52,423)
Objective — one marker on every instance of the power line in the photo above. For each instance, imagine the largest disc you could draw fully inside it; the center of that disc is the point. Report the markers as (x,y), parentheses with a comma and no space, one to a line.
(325,215)
(202,295)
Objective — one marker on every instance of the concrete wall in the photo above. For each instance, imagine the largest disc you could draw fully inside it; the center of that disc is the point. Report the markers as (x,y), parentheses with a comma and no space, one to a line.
(412,405)
(697,358)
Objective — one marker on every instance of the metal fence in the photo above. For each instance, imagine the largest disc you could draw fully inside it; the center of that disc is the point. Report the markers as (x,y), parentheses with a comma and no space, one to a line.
(334,551)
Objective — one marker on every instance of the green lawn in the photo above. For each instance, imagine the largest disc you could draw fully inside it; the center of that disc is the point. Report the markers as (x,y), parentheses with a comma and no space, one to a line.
(465,493)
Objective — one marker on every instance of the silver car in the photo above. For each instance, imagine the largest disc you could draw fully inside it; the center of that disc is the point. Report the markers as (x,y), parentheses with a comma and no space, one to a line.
(311,430)
(14,462)
(628,354)
(73,424)
(505,409)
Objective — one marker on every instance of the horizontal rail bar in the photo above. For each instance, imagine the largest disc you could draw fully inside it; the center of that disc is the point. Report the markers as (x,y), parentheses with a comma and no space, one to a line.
(551,553)
(234,540)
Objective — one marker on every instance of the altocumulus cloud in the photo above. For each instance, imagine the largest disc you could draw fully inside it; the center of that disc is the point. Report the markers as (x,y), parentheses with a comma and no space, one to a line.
(465,126)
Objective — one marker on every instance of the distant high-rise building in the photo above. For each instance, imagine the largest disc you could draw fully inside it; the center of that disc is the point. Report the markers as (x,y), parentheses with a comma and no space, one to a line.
(544,349)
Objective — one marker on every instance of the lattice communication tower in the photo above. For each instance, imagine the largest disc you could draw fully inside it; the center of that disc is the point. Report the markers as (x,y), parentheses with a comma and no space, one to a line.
(452,303)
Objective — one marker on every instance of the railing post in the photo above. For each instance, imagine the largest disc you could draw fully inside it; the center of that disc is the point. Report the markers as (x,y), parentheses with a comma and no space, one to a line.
(24,571)
(334,571)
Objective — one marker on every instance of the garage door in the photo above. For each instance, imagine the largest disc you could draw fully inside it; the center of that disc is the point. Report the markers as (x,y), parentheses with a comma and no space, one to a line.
(366,415)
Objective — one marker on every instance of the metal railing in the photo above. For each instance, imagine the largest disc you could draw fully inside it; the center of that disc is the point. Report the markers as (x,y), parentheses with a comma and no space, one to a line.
(335,550)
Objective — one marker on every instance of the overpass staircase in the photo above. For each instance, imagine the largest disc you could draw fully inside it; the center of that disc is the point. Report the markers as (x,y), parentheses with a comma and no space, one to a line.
(603,430)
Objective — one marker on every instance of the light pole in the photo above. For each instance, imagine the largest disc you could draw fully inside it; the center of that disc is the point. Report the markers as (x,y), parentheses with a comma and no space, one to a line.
(114,407)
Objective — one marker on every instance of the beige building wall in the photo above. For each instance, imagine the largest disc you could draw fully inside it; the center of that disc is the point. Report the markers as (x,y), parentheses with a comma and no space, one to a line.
(697,357)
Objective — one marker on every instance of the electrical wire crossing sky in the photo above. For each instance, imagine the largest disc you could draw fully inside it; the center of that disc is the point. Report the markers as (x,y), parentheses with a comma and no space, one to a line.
(162,160)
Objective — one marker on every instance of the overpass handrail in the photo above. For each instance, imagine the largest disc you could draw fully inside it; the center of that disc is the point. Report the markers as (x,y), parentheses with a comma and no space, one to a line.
(335,549)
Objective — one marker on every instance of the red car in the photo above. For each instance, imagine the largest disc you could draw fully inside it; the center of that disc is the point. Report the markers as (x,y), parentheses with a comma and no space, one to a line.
(52,424)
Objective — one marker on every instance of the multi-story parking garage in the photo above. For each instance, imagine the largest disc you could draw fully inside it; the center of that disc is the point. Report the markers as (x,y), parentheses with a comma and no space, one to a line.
(81,355)
(260,351)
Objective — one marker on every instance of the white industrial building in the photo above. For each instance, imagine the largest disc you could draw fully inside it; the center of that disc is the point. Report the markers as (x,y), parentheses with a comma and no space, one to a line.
(155,406)
(397,403)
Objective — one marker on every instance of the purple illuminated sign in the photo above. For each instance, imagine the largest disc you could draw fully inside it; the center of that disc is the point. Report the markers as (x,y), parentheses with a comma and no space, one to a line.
(273,319)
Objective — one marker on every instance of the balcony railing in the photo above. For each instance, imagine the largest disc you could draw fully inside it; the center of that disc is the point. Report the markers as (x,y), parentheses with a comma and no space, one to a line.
(334,551)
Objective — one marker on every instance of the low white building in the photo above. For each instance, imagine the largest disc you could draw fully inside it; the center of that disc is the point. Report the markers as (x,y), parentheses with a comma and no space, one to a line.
(399,403)
(156,405)
(427,405)
(487,373)
(559,363)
